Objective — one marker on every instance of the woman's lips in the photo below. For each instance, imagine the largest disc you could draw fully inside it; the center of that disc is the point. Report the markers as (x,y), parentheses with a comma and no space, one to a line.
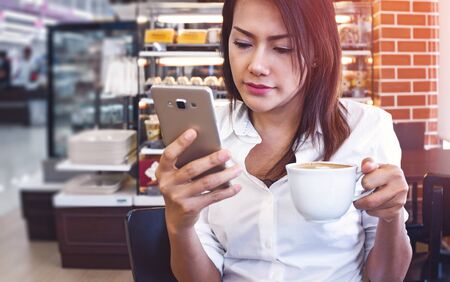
(257,89)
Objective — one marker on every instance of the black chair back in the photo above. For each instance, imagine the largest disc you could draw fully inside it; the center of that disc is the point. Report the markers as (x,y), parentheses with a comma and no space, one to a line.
(148,245)
(439,180)
(410,135)
(426,265)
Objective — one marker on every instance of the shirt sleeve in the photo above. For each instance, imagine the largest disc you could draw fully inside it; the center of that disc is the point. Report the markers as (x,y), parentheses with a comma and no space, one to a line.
(209,241)
(387,151)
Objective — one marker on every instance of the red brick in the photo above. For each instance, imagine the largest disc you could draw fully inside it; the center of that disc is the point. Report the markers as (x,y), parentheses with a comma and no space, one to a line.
(376,47)
(380,19)
(424,86)
(375,7)
(424,113)
(411,100)
(387,46)
(432,20)
(376,34)
(395,60)
(393,32)
(432,139)
(425,7)
(432,126)
(432,73)
(433,46)
(376,73)
(432,100)
(425,60)
(395,6)
(376,86)
(411,73)
(387,73)
(387,19)
(399,113)
(412,46)
(387,101)
(411,20)
(392,87)
(426,33)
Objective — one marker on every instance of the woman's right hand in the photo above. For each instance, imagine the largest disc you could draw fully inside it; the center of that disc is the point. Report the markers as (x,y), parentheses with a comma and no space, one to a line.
(184,197)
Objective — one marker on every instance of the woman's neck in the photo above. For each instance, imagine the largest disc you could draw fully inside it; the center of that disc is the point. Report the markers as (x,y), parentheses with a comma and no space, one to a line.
(278,122)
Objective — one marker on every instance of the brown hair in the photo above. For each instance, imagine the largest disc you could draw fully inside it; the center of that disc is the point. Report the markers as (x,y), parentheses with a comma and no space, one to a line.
(317,47)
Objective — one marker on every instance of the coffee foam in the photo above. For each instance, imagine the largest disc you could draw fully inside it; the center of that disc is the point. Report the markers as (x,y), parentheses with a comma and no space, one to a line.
(319,165)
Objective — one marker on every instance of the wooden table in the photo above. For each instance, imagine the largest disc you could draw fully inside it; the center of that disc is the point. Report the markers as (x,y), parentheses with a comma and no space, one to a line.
(417,163)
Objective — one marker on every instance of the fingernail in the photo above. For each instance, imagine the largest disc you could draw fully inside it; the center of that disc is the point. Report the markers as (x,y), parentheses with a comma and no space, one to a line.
(189,135)
(223,155)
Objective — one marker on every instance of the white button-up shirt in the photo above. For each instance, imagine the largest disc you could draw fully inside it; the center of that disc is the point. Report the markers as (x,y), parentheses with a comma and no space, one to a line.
(258,235)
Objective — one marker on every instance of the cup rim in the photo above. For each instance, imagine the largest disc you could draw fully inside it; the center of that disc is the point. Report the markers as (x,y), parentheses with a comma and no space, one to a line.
(347,166)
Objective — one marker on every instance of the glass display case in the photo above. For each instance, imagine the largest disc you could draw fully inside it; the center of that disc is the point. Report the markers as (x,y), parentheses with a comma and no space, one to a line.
(180,47)
(354,21)
(93,79)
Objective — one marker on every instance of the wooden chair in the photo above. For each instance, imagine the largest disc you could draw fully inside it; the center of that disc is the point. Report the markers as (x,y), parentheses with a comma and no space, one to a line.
(436,219)
(411,137)
(148,245)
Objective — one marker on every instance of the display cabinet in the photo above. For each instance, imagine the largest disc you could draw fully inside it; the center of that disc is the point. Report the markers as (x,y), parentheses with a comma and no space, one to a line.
(93,79)
(180,47)
(354,21)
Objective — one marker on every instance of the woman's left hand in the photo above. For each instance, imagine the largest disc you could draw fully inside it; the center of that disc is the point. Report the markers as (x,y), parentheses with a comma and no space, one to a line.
(391,192)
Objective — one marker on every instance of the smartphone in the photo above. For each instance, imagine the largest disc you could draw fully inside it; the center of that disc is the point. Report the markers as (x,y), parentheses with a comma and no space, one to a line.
(182,107)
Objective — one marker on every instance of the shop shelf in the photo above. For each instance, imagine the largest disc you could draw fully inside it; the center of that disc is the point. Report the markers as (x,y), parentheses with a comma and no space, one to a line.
(181,54)
(183,47)
(66,165)
(356,53)
(145,201)
(365,100)
(150,151)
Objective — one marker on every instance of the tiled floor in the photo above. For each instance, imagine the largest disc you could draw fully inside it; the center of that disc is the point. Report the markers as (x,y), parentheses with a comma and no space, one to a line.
(21,151)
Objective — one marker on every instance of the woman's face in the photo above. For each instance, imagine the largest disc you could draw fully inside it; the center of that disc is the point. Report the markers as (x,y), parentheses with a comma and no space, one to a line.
(260,57)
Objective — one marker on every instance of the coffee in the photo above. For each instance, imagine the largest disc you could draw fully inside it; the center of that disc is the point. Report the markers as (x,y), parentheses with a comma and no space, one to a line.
(319,165)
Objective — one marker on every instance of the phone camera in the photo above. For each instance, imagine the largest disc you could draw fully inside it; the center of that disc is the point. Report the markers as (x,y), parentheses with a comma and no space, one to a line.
(181,104)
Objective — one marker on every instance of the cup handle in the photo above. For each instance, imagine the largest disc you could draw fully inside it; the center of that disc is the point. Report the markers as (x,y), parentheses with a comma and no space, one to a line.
(359,175)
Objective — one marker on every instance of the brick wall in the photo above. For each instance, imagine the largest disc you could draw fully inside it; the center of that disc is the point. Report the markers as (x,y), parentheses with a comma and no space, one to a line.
(406,60)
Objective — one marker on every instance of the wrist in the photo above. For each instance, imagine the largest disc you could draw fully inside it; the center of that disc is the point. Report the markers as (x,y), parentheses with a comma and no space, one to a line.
(394,220)
(175,231)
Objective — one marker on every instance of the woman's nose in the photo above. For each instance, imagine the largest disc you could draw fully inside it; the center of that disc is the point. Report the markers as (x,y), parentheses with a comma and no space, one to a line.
(259,64)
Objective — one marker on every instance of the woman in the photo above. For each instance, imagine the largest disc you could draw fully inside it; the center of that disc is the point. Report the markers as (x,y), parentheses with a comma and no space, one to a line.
(282,68)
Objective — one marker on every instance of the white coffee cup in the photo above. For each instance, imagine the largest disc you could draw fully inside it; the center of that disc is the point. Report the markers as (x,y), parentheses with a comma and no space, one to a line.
(323,191)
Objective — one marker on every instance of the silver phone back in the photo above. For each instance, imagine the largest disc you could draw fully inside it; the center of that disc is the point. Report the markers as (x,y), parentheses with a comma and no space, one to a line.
(199,114)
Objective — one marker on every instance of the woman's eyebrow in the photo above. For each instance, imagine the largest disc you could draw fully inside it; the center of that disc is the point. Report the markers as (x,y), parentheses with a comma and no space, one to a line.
(251,35)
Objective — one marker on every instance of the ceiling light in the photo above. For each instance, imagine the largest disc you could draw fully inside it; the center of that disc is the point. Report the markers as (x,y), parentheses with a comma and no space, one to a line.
(141,19)
(187,18)
(19,27)
(347,60)
(141,62)
(190,61)
(19,16)
(341,19)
